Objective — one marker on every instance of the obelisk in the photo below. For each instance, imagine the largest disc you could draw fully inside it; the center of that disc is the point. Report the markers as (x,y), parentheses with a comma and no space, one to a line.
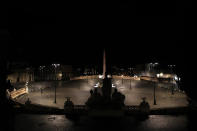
(104,64)
(106,89)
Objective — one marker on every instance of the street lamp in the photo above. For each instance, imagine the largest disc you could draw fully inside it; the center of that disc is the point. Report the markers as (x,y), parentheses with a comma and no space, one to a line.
(55,65)
(130,83)
(154,65)
(55,95)
(87,79)
(171,68)
(154,94)
(154,84)
(122,79)
(172,91)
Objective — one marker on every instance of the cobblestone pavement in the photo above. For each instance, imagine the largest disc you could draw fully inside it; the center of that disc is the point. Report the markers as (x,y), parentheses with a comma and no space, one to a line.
(79,92)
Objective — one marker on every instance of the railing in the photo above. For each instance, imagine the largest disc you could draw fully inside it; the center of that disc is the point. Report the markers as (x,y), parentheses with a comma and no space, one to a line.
(131,108)
(77,110)
(80,107)
(16,93)
(127,108)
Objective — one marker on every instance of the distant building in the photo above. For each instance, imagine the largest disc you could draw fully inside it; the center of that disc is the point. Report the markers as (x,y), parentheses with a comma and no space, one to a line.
(53,72)
(66,72)
(21,72)
(21,75)
(90,70)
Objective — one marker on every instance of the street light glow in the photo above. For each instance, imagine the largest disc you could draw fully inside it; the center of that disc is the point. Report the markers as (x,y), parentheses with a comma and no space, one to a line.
(55,65)
(161,74)
(60,74)
(41,67)
(108,76)
(171,65)
(100,76)
(176,78)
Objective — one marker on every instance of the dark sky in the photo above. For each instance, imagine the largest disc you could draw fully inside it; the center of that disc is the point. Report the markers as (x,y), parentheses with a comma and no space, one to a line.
(76,33)
(133,32)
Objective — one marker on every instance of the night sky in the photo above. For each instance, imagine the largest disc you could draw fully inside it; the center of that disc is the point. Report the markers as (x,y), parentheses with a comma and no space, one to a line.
(133,32)
(74,33)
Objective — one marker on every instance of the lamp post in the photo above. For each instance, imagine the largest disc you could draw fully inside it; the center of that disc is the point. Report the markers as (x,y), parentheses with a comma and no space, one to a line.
(55,95)
(131,74)
(130,83)
(154,94)
(172,91)
(155,64)
(55,65)
(171,68)
(122,79)
(87,79)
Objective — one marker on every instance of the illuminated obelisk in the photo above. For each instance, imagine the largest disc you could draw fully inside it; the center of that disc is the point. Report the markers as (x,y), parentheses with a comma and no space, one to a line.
(106,89)
(104,64)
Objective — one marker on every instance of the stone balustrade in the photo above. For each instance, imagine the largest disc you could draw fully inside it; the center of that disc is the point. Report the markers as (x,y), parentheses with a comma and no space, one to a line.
(16,93)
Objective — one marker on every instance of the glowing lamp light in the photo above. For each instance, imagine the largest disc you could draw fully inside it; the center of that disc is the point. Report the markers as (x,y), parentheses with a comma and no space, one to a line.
(60,74)
(100,76)
(158,75)
(161,74)
(176,78)
(55,65)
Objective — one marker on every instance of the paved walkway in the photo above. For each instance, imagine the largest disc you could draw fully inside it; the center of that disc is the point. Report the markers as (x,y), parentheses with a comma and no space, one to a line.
(79,93)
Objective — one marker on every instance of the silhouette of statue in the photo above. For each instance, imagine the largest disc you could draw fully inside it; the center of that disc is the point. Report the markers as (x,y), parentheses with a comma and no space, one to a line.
(144,106)
(117,99)
(91,92)
(28,102)
(68,102)
(96,94)
(68,105)
(95,99)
